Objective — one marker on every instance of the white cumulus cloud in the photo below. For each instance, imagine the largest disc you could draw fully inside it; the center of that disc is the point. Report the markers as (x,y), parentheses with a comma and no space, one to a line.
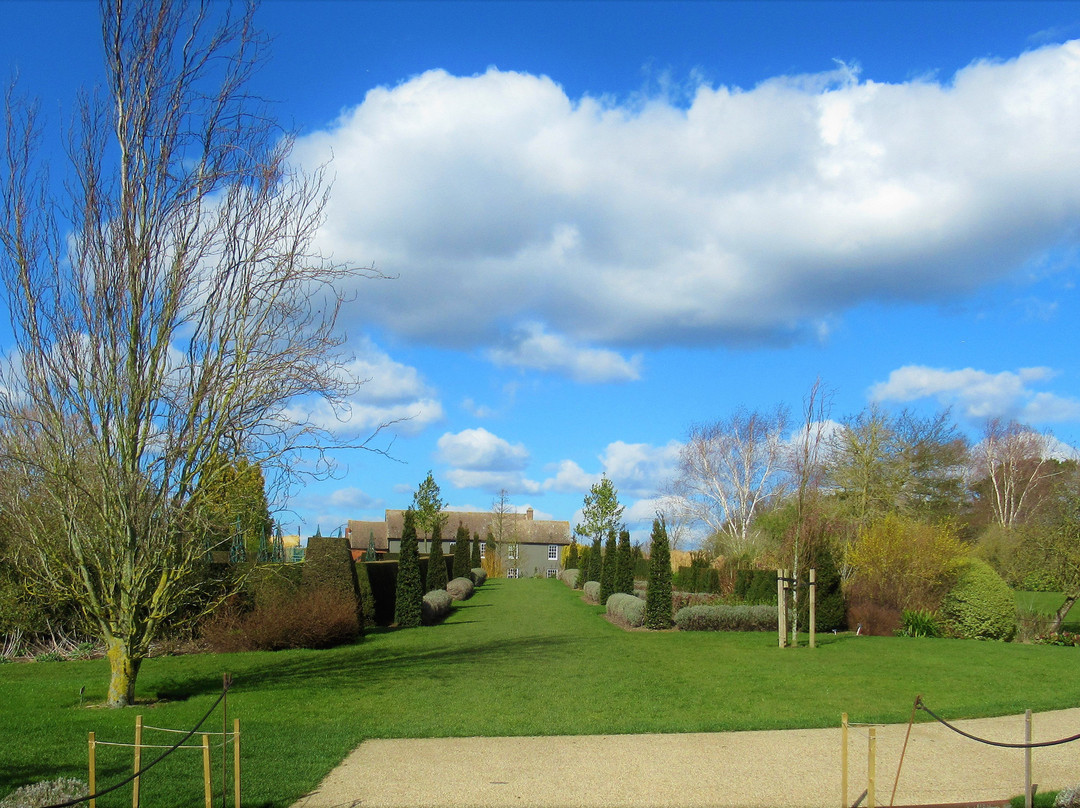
(980,394)
(744,215)
(533,348)
(480,450)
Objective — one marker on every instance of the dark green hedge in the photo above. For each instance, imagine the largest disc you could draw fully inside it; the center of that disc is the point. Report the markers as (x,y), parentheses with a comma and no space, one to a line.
(381,578)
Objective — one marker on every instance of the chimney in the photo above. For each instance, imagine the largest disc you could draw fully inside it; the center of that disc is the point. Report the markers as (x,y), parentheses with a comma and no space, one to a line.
(529,514)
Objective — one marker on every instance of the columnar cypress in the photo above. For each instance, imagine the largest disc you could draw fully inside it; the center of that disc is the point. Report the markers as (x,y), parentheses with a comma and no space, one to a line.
(461,552)
(607,572)
(583,567)
(436,565)
(474,559)
(658,591)
(624,565)
(596,560)
(409,592)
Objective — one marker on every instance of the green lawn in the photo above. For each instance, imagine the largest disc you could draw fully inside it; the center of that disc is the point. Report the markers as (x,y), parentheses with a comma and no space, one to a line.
(520,658)
(1048,603)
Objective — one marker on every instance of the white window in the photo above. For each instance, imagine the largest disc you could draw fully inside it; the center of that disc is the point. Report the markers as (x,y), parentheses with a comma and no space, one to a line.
(453,544)
(482,546)
(512,572)
(552,573)
(512,552)
(553,552)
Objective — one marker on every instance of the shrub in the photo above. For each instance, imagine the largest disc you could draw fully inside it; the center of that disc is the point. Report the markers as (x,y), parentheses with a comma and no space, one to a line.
(328,565)
(474,555)
(658,590)
(572,561)
(47,792)
(409,592)
(569,577)
(596,562)
(740,617)
(1068,798)
(1057,638)
(981,606)
(866,617)
(460,589)
(591,591)
(626,610)
(435,606)
(624,565)
(309,619)
(918,623)
(478,576)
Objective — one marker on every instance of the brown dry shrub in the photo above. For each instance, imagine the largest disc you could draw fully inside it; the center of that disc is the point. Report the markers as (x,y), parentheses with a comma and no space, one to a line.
(313,619)
(876,620)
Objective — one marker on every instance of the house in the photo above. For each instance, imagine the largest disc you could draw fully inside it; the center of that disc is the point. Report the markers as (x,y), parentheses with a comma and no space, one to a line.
(529,547)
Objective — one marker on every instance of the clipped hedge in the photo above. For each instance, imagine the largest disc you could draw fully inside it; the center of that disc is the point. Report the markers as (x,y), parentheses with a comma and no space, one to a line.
(726,618)
(569,577)
(626,610)
(478,575)
(435,606)
(460,589)
(592,592)
(47,792)
(981,606)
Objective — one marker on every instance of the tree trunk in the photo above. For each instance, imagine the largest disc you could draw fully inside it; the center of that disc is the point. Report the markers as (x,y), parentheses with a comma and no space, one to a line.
(1059,615)
(123,670)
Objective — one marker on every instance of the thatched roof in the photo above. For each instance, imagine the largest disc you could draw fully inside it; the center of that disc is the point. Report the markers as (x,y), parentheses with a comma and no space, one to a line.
(519,527)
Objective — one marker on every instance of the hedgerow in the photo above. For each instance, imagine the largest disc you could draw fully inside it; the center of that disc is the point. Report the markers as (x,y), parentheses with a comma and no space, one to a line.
(726,618)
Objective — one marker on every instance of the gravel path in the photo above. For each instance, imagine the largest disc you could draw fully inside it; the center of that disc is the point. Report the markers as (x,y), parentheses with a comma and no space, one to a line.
(781,769)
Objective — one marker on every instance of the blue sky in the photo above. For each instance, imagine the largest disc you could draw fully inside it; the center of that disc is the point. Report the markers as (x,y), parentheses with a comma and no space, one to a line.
(608,221)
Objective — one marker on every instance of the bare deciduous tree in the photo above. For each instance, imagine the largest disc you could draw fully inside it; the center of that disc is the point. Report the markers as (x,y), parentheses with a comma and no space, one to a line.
(729,469)
(1011,461)
(170,316)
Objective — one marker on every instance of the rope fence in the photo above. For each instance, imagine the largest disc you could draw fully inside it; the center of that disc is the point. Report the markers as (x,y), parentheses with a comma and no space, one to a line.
(140,770)
(871,734)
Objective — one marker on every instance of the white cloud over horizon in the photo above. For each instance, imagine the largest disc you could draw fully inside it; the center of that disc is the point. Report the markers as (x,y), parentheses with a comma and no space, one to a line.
(744,217)
(980,394)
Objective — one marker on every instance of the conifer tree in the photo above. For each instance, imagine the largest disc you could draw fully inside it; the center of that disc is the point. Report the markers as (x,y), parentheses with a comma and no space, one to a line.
(573,557)
(409,592)
(596,560)
(436,565)
(474,559)
(658,591)
(461,552)
(583,567)
(624,565)
(607,572)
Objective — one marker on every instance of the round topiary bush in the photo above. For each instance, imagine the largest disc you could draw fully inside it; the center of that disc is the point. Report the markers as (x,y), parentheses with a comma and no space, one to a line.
(592,592)
(981,606)
(626,610)
(435,606)
(460,589)
(569,577)
(479,575)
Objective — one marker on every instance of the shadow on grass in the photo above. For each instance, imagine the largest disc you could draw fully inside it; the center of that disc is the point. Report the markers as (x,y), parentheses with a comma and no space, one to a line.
(348,666)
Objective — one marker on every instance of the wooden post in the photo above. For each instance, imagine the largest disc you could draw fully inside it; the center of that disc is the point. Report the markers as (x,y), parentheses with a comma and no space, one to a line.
(93,773)
(870,767)
(206,770)
(1028,796)
(843,761)
(236,762)
(138,762)
(781,618)
(813,608)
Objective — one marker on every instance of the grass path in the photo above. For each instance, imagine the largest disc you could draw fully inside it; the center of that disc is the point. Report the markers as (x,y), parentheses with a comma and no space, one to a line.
(520,658)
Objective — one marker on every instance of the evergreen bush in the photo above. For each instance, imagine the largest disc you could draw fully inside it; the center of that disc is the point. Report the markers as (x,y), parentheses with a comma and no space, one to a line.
(609,568)
(658,591)
(47,792)
(980,606)
(460,588)
(624,565)
(591,592)
(573,557)
(436,567)
(569,576)
(596,562)
(435,606)
(478,575)
(626,610)
(328,567)
(409,592)
(741,617)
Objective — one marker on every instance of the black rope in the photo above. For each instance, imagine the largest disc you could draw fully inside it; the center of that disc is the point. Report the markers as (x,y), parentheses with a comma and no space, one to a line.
(225,689)
(919,705)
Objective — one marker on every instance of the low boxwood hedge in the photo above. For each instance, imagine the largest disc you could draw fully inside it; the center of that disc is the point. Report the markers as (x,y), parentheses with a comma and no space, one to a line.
(626,610)
(726,618)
